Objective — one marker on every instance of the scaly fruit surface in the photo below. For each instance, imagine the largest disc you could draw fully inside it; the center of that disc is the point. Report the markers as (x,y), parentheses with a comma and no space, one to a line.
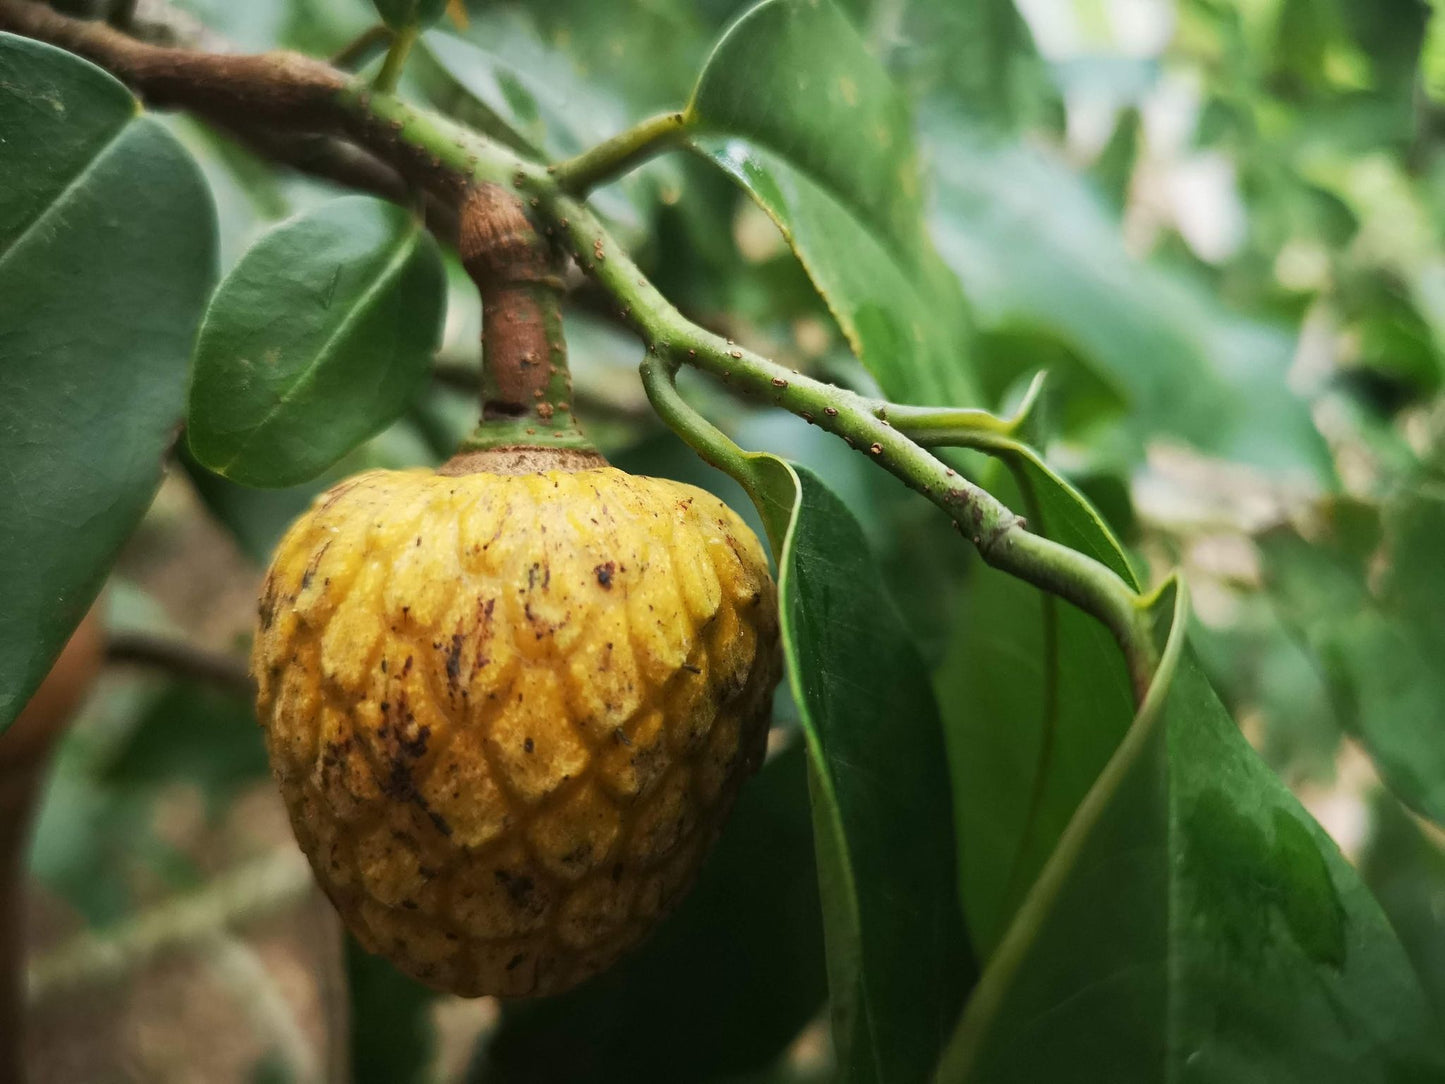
(510,713)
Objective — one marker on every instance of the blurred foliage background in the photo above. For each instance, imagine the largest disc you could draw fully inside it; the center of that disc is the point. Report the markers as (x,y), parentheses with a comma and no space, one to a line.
(1217,223)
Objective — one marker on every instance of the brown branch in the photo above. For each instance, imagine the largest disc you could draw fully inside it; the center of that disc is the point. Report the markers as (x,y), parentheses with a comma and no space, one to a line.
(513,269)
(280,87)
(329,158)
(227,672)
(286,106)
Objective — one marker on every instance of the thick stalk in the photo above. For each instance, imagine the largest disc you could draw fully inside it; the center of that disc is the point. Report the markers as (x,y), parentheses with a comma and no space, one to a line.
(526,388)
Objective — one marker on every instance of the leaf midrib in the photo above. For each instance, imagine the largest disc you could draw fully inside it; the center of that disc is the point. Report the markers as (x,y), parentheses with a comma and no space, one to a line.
(65,193)
(307,376)
(910,273)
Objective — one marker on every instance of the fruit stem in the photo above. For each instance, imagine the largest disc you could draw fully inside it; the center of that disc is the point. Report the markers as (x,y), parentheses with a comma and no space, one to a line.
(526,388)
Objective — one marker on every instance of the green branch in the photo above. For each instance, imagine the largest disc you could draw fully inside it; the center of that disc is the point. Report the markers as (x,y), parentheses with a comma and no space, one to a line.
(613,157)
(448,160)
(711,444)
(1000,536)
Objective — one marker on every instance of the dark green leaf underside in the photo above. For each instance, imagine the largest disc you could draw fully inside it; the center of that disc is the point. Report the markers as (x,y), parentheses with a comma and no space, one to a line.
(899,965)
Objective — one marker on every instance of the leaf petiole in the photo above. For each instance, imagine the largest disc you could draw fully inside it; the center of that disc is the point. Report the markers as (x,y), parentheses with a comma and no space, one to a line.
(613,157)
(396,56)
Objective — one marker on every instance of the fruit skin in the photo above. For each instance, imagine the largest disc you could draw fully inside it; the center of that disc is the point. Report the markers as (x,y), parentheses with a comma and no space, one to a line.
(510,713)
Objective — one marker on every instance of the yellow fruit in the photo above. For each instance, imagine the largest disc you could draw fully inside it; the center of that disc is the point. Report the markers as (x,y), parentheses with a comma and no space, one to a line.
(509,713)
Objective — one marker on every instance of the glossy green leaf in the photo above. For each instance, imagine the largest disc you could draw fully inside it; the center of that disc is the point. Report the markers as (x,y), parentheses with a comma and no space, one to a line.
(719,989)
(1195,923)
(795,76)
(1035,248)
(317,339)
(107,253)
(795,108)
(899,963)
(1379,640)
(1035,699)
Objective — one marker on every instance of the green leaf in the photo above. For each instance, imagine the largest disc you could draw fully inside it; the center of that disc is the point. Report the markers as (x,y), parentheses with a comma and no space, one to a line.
(393,1038)
(980,55)
(107,253)
(1035,248)
(535,99)
(794,76)
(1035,699)
(723,985)
(899,964)
(553,110)
(792,105)
(1379,644)
(317,339)
(1405,869)
(196,734)
(1259,665)
(400,14)
(1195,923)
